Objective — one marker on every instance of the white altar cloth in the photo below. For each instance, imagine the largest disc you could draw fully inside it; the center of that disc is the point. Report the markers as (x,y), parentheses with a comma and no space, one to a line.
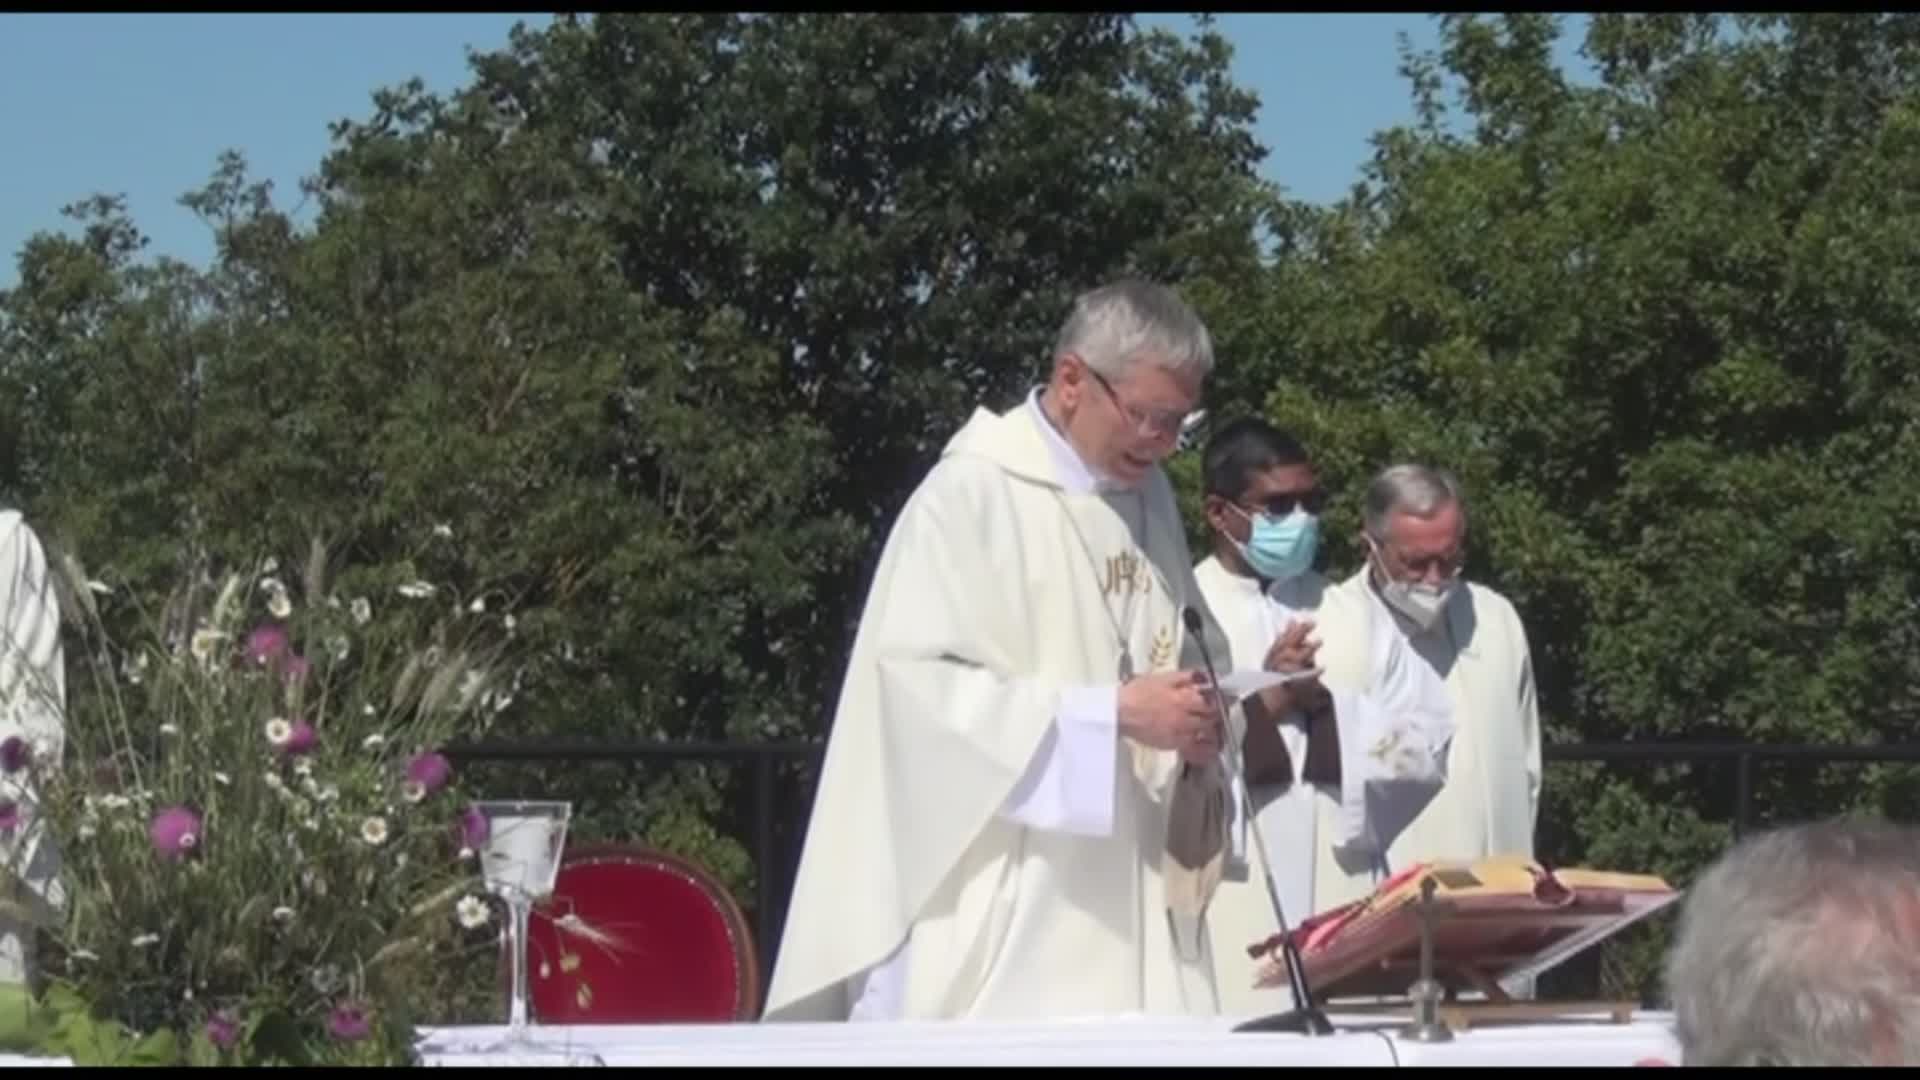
(1128,1040)
(1361,1040)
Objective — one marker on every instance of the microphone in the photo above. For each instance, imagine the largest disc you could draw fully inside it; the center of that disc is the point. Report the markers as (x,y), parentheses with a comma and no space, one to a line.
(1304,1019)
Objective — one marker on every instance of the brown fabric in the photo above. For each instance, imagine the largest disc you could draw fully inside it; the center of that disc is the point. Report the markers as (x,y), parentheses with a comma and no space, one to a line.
(1263,753)
(1196,838)
(1323,746)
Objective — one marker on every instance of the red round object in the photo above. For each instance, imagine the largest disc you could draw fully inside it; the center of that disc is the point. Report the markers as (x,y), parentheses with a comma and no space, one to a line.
(652,938)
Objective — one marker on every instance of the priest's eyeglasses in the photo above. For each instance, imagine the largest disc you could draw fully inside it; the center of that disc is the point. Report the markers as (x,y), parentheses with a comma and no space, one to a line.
(1443,566)
(1152,422)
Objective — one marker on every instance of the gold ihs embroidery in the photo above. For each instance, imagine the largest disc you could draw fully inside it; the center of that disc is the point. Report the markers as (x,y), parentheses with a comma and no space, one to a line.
(1126,573)
(1162,655)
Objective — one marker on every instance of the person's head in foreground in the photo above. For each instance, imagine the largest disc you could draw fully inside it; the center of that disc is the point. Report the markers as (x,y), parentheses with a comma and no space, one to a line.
(1801,946)
(1415,532)
(1128,366)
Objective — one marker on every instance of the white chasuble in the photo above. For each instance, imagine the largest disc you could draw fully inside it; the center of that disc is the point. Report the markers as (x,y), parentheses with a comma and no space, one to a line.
(982,843)
(33,695)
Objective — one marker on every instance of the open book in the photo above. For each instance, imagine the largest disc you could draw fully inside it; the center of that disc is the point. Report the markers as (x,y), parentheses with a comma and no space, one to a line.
(1504,919)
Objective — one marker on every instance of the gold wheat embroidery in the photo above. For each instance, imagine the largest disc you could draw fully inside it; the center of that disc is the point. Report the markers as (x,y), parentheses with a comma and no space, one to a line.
(1162,655)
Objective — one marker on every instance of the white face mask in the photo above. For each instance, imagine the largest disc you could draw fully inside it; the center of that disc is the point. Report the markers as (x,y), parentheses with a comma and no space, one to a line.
(1423,604)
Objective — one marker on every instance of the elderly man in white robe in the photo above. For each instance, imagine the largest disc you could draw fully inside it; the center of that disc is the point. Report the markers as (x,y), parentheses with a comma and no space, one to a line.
(1465,652)
(1021,809)
(1324,802)
(33,698)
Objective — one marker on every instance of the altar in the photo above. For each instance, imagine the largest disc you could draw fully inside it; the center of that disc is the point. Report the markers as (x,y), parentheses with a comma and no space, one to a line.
(1411,976)
(1359,1040)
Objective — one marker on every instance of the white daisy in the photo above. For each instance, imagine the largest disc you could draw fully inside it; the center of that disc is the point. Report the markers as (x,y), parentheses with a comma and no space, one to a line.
(205,641)
(472,912)
(374,831)
(279,731)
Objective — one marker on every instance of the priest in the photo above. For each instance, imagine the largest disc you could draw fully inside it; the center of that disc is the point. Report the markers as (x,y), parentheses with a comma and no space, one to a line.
(1464,650)
(32,724)
(1020,814)
(1320,796)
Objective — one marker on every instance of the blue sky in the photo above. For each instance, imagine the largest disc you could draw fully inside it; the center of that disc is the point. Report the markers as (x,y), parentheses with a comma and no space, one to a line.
(141,104)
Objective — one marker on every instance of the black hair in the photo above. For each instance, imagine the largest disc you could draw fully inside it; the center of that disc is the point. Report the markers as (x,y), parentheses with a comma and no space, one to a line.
(1244,447)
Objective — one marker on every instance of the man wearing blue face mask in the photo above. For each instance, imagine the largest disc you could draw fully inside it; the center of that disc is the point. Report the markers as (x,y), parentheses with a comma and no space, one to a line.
(1337,767)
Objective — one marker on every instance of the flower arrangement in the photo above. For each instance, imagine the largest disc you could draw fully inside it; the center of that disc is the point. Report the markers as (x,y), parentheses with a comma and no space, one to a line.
(265,854)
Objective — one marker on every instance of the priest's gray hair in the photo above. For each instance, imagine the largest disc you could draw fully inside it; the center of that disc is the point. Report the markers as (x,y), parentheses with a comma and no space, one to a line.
(1116,325)
(1801,946)
(1408,489)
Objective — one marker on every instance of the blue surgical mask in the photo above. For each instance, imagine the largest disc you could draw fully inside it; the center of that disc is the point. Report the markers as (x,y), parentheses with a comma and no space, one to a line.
(1280,548)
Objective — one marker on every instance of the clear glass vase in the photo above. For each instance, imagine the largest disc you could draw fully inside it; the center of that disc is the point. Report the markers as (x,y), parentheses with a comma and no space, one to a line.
(519,863)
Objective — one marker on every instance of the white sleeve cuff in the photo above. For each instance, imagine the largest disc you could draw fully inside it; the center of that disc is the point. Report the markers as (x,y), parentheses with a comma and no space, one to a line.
(1069,785)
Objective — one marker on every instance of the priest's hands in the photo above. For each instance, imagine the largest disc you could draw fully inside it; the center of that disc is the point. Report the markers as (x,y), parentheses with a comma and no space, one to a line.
(1172,711)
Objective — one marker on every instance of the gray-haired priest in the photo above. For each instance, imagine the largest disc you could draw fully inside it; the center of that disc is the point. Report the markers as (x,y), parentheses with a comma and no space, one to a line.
(1021,813)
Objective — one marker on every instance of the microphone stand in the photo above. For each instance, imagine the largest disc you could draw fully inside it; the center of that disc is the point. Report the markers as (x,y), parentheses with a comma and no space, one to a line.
(1305,1019)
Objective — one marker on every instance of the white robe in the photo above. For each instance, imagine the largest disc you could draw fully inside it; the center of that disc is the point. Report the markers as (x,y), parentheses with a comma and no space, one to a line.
(983,844)
(33,696)
(1321,839)
(1491,800)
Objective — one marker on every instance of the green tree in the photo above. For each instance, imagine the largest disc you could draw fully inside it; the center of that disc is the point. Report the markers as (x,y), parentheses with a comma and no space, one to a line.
(650,328)
(1657,325)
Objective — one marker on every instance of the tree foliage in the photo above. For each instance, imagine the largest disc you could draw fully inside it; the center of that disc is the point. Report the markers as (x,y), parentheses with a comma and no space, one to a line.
(653,325)
(650,327)
(1658,325)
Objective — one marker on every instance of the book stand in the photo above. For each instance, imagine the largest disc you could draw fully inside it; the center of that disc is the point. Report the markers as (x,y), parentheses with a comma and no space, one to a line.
(1440,931)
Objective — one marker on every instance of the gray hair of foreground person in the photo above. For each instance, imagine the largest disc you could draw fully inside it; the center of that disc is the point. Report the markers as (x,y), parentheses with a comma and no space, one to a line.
(1801,947)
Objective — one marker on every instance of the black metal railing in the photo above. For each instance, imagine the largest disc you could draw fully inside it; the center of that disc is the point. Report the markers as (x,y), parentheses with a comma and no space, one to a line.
(765,759)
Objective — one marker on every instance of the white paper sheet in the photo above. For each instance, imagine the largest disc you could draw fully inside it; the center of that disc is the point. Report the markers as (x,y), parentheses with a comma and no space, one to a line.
(1238,684)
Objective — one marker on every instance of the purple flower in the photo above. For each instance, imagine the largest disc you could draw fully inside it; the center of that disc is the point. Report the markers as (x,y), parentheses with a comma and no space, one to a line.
(267,644)
(474,829)
(175,832)
(15,754)
(430,771)
(300,738)
(349,1022)
(9,817)
(293,670)
(222,1029)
